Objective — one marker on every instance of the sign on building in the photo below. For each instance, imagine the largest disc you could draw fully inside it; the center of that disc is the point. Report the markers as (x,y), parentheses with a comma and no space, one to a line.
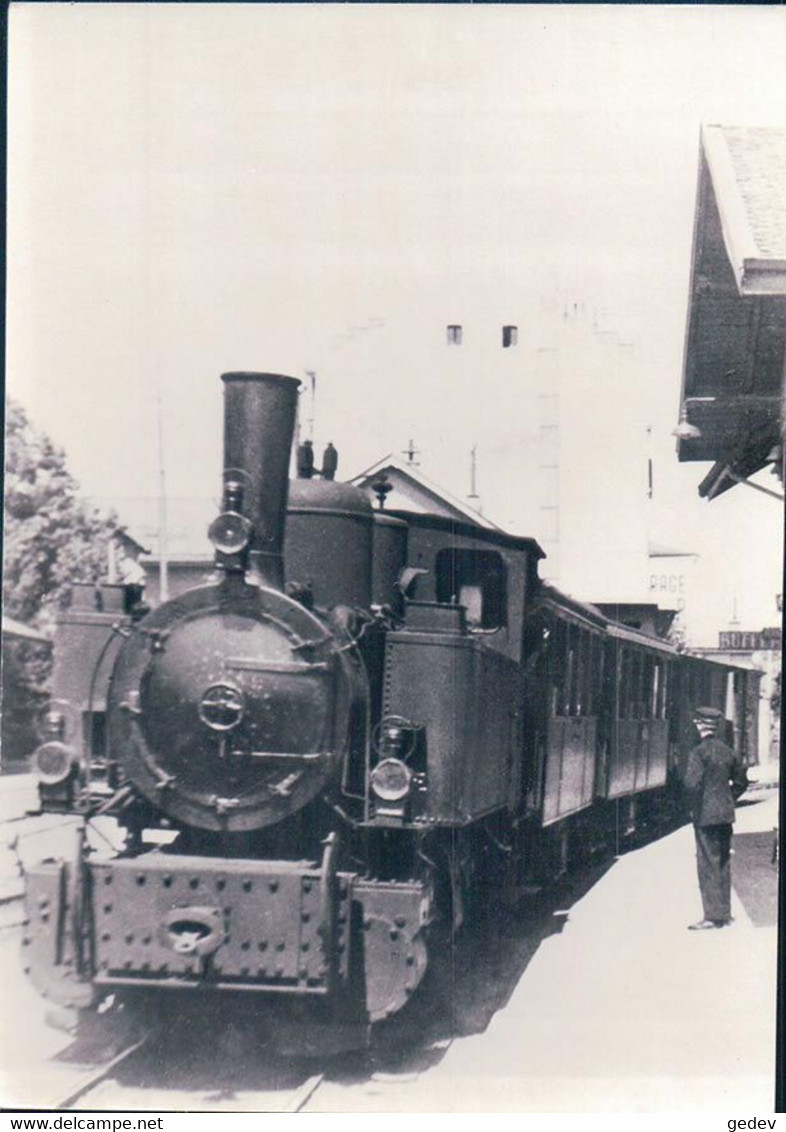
(741,641)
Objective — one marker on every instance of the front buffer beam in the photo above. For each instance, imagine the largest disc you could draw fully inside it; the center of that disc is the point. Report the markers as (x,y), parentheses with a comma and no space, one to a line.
(202,924)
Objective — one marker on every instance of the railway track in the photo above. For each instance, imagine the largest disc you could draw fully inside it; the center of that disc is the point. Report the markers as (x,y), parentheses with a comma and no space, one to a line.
(103,1090)
(100,1089)
(80,1089)
(140,1077)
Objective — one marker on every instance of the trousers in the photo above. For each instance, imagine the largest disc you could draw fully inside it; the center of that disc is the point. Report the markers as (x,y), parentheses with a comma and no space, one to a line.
(713,862)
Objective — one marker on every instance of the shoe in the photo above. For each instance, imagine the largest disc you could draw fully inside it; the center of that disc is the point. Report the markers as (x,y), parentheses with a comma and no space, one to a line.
(705,925)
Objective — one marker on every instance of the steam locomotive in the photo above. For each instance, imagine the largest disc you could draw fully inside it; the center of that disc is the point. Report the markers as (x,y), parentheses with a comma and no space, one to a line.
(371,718)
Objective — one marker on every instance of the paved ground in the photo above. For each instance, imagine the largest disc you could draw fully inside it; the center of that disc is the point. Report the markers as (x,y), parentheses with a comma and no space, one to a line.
(614,1007)
(624,1010)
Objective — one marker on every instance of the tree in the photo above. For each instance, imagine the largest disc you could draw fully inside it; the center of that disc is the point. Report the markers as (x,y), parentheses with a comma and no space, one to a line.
(52,538)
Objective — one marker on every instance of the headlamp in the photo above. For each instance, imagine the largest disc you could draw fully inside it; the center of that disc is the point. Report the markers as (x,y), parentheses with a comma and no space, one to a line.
(53,762)
(391,780)
(230,532)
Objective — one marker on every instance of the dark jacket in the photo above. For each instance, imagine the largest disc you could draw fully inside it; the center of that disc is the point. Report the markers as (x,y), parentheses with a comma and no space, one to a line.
(714,779)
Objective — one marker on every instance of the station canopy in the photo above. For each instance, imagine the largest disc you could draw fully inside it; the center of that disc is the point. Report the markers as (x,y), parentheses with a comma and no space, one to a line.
(731,407)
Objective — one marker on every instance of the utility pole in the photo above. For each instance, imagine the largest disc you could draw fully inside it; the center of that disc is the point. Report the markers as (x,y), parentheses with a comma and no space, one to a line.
(735,621)
(649,462)
(473,468)
(312,377)
(549,459)
(163,565)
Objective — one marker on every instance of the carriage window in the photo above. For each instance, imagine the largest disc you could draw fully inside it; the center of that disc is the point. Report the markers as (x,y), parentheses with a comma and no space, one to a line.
(623,683)
(558,668)
(637,684)
(578,669)
(632,665)
(593,659)
(664,691)
(645,693)
(659,691)
(596,674)
(572,674)
(600,666)
(586,672)
(477,580)
(632,704)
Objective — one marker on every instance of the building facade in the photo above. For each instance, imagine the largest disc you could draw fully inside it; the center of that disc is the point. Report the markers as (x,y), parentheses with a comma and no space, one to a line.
(762,649)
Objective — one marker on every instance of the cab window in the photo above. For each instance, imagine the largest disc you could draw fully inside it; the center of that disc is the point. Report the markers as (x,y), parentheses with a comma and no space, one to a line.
(475,579)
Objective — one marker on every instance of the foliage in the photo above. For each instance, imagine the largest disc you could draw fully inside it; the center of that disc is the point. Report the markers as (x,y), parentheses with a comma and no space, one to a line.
(52,538)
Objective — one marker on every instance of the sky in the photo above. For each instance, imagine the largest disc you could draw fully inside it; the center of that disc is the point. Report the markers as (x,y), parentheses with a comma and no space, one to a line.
(199,188)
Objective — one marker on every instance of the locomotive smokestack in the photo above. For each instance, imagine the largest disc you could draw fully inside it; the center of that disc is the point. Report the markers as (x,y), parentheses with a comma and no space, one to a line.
(259,423)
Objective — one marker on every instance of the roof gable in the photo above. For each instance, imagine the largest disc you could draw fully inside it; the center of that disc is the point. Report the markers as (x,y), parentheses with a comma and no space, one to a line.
(414,492)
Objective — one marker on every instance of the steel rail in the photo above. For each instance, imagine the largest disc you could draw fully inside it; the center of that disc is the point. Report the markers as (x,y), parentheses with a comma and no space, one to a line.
(95,1076)
(304,1094)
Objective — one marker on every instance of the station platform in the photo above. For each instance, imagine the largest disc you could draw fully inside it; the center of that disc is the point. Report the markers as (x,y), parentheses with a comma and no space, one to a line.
(623,1009)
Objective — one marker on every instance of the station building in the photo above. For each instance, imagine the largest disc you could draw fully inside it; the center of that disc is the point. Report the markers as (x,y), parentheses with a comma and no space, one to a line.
(733,394)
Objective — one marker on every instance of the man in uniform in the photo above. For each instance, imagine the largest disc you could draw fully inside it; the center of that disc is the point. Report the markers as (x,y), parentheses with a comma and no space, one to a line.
(714,779)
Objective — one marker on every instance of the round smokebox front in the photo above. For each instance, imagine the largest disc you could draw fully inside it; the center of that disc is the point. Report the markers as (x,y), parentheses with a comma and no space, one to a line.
(228,710)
